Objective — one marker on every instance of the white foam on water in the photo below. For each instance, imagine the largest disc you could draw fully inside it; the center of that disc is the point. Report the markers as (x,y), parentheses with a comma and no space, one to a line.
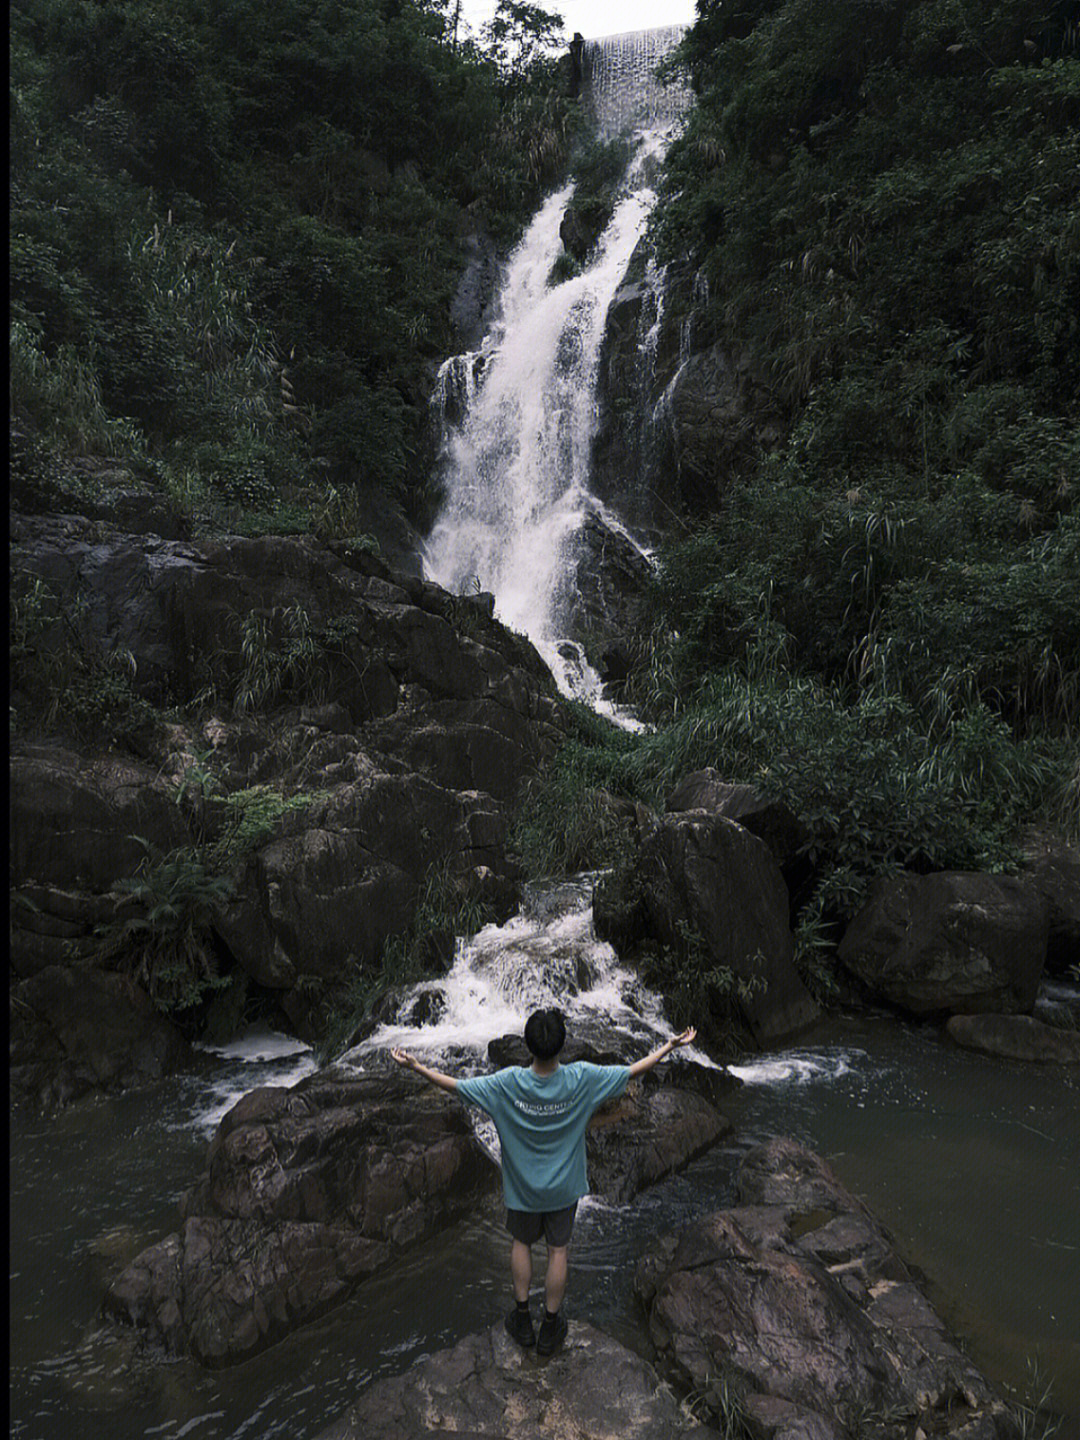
(258,1057)
(797,1067)
(257,1045)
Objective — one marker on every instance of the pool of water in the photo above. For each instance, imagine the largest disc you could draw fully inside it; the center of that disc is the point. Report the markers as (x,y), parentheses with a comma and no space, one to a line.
(972,1164)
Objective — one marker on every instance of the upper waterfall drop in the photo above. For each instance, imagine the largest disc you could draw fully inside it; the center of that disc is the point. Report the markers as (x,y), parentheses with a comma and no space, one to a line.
(518,416)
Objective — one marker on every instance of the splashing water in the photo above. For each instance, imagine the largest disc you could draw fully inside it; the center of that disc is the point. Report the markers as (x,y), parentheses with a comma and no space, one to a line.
(546,956)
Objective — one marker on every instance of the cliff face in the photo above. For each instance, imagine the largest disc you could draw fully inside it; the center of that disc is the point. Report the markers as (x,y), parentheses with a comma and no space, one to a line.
(681,409)
(314,736)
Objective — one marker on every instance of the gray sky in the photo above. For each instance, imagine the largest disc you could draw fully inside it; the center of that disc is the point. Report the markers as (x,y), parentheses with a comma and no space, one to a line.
(599,17)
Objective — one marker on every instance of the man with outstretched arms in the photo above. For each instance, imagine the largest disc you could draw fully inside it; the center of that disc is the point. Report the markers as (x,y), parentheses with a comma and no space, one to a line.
(541,1112)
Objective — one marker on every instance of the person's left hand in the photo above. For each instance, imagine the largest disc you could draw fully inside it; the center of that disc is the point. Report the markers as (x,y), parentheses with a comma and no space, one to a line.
(687,1037)
(404,1058)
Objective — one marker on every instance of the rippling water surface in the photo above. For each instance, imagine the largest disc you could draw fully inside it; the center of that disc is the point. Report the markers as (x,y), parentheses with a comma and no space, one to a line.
(972,1164)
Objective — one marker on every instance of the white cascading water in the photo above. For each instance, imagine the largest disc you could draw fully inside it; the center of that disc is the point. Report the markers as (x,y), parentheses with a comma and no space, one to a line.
(519,415)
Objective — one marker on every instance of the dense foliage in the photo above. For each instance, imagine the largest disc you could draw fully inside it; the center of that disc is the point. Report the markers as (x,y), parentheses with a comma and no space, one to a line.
(882,196)
(235,235)
(878,617)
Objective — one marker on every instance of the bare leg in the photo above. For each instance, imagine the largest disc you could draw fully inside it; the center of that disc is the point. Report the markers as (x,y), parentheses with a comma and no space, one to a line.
(555,1282)
(521,1269)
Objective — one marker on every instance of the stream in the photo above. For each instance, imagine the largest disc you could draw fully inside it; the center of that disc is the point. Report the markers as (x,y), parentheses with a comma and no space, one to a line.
(972,1165)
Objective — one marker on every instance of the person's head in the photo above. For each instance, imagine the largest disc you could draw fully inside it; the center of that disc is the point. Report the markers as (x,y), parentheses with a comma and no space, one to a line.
(545,1033)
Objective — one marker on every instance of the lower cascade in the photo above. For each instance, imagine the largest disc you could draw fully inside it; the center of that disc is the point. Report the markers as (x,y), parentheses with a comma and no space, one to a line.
(518,416)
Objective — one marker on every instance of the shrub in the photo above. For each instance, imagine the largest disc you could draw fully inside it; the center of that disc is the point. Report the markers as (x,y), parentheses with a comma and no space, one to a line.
(162,928)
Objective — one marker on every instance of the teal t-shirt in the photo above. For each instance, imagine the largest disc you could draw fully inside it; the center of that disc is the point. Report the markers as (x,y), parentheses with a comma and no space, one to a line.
(541,1120)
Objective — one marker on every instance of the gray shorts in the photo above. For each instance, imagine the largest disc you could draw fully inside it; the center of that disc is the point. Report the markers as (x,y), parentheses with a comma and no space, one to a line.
(556,1226)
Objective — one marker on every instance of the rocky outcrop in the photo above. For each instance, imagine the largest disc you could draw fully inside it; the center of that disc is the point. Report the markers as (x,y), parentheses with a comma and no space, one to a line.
(75,1029)
(1016,1037)
(702,875)
(680,409)
(718,409)
(307,1191)
(795,1305)
(952,942)
(1052,869)
(764,816)
(593,1388)
(399,719)
(607,605)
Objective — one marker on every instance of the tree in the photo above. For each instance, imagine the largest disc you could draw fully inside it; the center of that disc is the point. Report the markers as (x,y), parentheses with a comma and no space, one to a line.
(519,34)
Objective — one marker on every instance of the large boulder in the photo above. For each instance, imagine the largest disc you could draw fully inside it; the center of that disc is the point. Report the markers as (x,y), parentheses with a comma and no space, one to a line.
(1016,1037)
(593,1388)
(75,1028)
(80,821)
(704,875)
(796,1301)
(1052,869)
(951,942)
(307,1191)
(763,815)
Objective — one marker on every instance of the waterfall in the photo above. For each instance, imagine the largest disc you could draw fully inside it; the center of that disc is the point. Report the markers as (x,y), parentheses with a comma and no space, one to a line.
(621,82)
(517,418)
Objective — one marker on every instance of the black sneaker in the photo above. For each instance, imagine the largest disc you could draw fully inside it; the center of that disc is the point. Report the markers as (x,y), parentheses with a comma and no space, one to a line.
(553,1330)
(519,1327)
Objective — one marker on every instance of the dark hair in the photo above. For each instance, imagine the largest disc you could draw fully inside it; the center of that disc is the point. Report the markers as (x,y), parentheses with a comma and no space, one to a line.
(545,1033)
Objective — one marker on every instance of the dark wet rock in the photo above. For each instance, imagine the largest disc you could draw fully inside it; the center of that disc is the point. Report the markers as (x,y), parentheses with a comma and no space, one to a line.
(719,406)
(593,1388)
(953,942)
(307,1191)
(652,1130)
(1053,871)
(1016,1037)
(607,609)
(77,821)
(408,743)
(705,875)
(470,310)
(74,1029)
(767,818)
(222,1290)
(797,1300)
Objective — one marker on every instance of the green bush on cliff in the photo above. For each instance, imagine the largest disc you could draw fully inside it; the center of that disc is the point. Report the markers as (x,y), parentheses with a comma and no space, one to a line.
(162,928)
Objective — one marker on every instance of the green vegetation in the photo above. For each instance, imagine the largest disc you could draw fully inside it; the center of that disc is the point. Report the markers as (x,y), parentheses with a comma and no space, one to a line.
(235,237)
(878,617)
(598,169)
(162,928)
(62,678)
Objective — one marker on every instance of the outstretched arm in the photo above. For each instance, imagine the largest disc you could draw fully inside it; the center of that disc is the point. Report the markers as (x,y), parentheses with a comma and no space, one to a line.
(436,1077)
(648,1061)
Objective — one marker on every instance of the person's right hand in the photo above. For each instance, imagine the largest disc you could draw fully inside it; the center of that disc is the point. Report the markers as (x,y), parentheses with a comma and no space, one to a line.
(687,1037)
(404,1058)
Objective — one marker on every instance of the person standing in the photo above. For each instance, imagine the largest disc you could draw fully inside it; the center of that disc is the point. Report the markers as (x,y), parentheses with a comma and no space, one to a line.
(541,1112)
